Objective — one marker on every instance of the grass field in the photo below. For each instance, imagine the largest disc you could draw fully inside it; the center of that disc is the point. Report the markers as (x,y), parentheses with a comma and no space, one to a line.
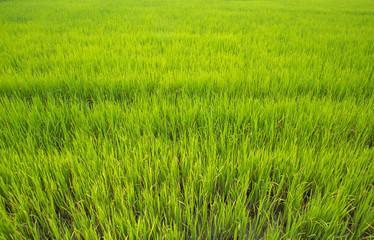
(186,119)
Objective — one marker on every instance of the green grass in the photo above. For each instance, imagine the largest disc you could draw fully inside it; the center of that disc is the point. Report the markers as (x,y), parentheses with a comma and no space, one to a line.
(186,119)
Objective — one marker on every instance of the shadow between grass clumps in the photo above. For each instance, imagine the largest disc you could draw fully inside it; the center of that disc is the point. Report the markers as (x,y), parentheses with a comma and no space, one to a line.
(128,92)
(16,19)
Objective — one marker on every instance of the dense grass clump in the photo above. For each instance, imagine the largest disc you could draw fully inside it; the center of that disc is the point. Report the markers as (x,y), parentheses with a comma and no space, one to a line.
(186,119)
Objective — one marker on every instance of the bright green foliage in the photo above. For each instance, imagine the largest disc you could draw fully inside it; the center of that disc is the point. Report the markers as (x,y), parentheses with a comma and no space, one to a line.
(186,119)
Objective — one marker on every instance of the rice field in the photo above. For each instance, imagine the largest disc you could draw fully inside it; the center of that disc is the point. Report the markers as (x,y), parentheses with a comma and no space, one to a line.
(186,119)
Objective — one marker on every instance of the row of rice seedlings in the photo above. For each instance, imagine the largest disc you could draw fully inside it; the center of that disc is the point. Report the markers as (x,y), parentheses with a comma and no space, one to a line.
(197,168)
